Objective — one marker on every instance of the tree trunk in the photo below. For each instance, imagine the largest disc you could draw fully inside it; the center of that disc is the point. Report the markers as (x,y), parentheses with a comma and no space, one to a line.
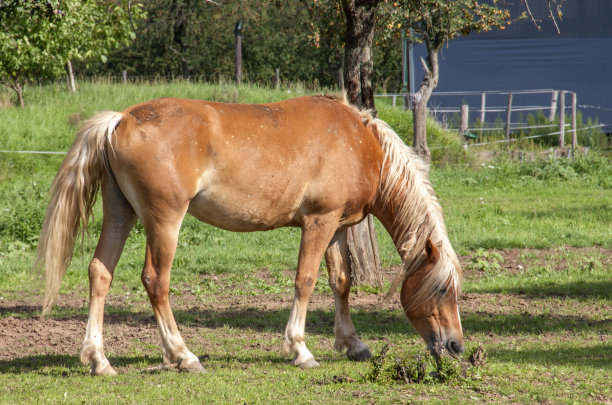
(70,77)
(358,61)
(365,265)
(358,66)
(421,98)
(419,122)
(18,88)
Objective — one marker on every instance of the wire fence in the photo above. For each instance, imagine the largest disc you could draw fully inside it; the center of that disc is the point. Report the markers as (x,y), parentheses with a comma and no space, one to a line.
(518,114)
(449,109)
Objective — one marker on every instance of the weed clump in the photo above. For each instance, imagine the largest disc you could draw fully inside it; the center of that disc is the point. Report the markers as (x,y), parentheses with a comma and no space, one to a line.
(486,261)
(423,368)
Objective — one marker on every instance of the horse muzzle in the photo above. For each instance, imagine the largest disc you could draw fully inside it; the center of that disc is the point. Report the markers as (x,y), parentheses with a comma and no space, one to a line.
(452,347)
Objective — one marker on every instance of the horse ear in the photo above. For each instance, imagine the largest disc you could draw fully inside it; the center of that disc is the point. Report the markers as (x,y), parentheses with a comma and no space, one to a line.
(432,251)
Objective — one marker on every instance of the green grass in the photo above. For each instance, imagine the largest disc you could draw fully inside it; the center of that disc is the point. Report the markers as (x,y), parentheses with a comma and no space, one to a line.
(546,325)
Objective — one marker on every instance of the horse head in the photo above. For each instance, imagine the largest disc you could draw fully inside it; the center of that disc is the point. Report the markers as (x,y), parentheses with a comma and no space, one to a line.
(435,315)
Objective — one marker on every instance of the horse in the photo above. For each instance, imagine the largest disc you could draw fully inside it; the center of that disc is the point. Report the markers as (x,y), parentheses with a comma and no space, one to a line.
(313,162)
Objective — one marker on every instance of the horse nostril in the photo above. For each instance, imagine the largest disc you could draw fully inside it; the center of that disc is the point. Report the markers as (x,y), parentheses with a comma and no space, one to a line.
(454,347)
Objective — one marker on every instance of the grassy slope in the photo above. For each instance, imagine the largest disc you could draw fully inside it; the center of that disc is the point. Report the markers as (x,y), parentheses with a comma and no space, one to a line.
(534,356)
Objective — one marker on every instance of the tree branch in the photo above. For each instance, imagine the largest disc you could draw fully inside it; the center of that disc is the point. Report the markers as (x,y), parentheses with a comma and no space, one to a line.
(533,20)
(130,15)
(556,4)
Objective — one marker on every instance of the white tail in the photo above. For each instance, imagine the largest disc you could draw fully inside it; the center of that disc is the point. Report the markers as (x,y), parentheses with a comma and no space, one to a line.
(73,195)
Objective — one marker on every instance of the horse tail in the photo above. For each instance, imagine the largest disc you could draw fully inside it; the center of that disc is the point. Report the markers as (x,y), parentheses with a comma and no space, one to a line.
(73,195)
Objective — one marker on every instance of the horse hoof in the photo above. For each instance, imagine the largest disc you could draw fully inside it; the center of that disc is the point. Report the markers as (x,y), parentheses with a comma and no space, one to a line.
(361,355)
(108,370)
(192,367)
(310,363)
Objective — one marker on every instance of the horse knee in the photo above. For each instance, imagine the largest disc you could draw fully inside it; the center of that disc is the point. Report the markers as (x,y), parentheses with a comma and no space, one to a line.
(342,284)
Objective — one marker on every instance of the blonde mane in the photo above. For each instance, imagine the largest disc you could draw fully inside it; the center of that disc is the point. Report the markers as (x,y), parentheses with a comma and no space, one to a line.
(418,216)
(405,187)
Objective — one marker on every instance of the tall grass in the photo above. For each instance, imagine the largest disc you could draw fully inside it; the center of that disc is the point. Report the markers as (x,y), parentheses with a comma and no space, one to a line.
(503,204)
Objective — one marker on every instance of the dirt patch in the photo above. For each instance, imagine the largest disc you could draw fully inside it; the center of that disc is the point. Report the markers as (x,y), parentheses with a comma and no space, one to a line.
(129,318)
(517,260)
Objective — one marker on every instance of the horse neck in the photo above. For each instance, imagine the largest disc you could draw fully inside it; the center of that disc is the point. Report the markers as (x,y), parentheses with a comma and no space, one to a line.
(385,214)
(410,217)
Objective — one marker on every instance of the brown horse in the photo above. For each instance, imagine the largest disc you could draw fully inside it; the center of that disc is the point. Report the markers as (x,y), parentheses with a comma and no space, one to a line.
(312,162)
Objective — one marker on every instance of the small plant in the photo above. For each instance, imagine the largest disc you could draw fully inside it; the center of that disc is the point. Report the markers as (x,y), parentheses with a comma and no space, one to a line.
(448,369)
(424,368)
(379,373)
(412,372)
(477,356)
(486,261)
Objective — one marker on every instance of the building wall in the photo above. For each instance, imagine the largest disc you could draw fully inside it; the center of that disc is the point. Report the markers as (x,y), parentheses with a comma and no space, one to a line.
(579,60)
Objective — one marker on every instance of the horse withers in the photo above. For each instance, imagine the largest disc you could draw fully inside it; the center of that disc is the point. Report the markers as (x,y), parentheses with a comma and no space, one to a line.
(315,163)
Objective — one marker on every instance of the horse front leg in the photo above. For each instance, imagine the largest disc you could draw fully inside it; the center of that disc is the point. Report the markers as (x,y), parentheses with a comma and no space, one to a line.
(162,238)
(118,220)
(316,234)
(338,268)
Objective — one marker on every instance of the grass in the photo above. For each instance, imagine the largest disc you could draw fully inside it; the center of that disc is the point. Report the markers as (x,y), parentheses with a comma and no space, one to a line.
(542,315)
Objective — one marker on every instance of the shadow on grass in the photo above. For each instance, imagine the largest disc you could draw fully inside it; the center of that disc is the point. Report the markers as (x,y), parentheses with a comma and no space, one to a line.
(62,365)
(596,356)
(66,366)
(367,322)
(514,324)
(579,290)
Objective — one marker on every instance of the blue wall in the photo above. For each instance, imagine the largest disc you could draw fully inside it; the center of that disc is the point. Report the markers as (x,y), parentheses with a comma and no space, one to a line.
(582,65)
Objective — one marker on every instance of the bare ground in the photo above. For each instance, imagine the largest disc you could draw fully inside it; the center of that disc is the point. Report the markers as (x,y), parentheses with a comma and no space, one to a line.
(129,318)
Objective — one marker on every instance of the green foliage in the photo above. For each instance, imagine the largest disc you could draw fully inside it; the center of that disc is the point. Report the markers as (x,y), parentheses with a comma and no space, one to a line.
(195,39)
(37,41)
(446,147)
(588,133)
(22,220)
(486,261)
(592,168)
(436,22)
(423,368)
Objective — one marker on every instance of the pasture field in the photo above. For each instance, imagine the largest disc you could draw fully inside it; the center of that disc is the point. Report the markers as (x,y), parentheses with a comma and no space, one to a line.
(535,242)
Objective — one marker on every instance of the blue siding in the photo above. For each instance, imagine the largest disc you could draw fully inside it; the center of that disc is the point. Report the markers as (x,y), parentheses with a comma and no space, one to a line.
(582,65)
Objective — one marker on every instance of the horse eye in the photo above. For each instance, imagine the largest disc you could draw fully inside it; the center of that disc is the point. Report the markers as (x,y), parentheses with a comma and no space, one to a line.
(442,291)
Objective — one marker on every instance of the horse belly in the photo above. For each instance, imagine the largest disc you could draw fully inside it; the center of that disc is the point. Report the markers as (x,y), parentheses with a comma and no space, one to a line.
(233,210)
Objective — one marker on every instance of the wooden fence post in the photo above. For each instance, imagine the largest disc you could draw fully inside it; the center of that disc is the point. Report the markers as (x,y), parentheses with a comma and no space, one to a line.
(574,126)
(238,52)
(483,108)
(276,78)
(562,119)
(508,115)
(463,125)
(553,106)
(394,100)
(341,78)
(124,76)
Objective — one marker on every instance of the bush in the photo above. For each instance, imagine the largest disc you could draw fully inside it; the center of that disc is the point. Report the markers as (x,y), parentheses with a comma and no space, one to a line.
(446,147)
(424,368)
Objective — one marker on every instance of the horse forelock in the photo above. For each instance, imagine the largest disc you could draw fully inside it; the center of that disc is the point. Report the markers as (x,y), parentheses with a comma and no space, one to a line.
(418,216)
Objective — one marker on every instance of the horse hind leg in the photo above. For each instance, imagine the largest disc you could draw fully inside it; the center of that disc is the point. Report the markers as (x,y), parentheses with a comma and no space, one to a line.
(162,236)
(336,257)
(118,220)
